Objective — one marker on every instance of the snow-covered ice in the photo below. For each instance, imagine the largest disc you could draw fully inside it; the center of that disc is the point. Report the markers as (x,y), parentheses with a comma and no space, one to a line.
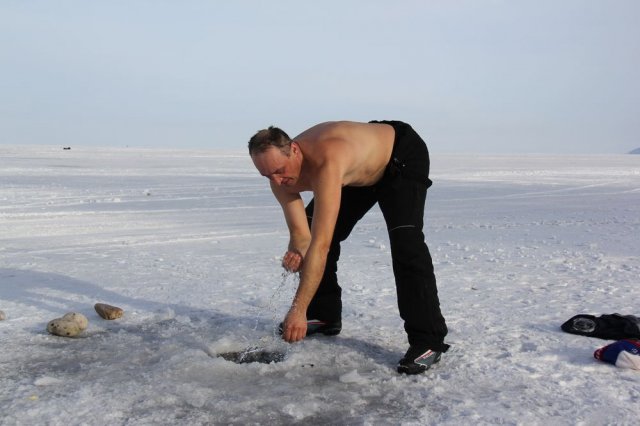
(188,243)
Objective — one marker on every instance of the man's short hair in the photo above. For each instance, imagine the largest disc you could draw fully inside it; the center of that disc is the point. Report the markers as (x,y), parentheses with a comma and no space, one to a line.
(266,138)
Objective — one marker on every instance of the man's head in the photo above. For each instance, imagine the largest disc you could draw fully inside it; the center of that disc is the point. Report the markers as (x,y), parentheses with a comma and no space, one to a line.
(267,138)
(276,156)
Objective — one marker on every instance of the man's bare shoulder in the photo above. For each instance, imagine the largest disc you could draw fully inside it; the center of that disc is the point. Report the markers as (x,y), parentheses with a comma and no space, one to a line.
(327,140)
(325,130)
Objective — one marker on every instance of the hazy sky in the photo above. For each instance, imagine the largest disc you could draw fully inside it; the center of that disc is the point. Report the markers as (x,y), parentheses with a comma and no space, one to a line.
(558,76)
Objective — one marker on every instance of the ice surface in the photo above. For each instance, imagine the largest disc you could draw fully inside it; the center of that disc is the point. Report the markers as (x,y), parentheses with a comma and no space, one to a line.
(188,243)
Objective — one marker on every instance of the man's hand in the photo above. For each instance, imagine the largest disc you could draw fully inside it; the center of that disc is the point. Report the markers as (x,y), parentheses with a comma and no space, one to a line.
(292,261)
(295,325)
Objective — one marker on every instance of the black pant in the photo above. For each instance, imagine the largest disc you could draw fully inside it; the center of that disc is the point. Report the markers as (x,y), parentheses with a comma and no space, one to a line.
(401,194)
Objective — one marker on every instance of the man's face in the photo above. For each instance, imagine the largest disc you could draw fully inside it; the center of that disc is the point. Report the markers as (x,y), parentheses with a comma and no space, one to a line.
(279,168)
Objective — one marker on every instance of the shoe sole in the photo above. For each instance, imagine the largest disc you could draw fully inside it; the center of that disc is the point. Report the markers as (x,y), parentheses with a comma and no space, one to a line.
(328,332)
(415,368)
(412,369)
(319,330)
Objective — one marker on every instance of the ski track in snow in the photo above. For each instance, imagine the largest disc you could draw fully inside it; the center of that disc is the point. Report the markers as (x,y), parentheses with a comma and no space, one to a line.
(188,243)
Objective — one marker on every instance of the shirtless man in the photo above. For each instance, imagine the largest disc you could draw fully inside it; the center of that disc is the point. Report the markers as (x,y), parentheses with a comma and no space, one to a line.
(349,167)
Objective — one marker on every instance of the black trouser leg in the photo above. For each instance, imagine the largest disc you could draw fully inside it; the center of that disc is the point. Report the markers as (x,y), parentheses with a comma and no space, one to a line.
(412,265)
(402,199)
(326,305)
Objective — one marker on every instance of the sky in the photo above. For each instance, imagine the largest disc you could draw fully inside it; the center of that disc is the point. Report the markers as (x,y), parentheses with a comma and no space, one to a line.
(487,77)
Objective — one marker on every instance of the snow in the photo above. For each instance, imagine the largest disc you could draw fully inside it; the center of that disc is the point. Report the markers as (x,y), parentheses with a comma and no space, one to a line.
(188,243)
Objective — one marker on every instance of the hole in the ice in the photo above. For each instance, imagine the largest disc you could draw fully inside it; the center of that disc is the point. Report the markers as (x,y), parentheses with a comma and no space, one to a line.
(264,356)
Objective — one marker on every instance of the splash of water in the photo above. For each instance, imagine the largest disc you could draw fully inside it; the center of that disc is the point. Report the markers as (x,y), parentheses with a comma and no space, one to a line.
(268,348)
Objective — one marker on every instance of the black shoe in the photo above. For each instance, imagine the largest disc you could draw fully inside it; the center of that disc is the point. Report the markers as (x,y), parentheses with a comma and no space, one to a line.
(322,327)
(418,360)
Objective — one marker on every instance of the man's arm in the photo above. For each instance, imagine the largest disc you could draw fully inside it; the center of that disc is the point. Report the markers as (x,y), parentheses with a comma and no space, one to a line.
(327,190)
(299,233)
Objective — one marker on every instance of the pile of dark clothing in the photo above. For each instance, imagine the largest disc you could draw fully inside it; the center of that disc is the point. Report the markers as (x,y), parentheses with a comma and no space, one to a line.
(625,352)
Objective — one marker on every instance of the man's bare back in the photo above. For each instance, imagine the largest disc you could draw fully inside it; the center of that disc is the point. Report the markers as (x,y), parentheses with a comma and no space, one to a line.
(363,150)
